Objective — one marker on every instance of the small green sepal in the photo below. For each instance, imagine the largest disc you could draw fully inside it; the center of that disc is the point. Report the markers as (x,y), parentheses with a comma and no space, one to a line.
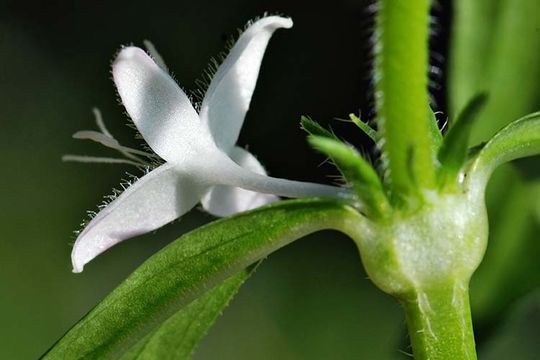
(364,126)
(313,128)
(357,171)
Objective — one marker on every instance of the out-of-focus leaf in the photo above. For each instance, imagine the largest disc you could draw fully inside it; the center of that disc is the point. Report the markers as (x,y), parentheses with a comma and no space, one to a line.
(536,200)
(512,226)
(182,271)
(179,335)
(495,48)
(518,337)
(473,28)
(508,268)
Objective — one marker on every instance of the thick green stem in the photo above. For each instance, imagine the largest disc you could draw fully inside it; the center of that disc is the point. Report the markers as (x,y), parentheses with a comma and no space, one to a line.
(439,322)
(401,76)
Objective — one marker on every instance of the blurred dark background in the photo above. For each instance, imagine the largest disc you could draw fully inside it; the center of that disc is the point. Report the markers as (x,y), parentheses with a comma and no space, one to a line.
(311,300)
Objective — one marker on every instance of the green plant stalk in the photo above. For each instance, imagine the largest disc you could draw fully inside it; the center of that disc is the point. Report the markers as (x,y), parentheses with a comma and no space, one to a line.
(439,322)
(401,75)
(434,292)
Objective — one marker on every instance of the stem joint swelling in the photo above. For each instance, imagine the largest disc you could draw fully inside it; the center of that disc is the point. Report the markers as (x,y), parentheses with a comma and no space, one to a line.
(425,259)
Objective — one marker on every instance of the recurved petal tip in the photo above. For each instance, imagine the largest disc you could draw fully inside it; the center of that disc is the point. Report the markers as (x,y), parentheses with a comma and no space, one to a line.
(275,22)
(77,268)
(229,95)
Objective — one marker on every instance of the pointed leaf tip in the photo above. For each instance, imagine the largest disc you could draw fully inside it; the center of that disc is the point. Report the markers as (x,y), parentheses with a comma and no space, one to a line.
(453,152)
(364,126)
(314,128)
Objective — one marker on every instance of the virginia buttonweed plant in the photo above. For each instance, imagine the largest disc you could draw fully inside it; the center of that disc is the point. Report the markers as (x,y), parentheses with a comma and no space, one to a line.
(419,219)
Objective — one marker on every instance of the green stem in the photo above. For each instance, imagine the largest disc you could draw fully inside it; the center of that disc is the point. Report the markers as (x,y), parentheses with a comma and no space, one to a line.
(401,66)
(439,322)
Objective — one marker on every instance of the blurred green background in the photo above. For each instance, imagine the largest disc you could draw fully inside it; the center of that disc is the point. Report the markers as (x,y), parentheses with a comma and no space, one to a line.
(311,300)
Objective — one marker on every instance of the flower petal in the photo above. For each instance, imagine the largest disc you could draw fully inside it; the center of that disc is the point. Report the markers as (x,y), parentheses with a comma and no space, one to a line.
(223,200)
(229,94)
(159,108)
(156,199)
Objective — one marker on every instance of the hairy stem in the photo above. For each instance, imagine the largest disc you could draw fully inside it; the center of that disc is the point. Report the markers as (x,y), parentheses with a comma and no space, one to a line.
(439,322)
(401,66)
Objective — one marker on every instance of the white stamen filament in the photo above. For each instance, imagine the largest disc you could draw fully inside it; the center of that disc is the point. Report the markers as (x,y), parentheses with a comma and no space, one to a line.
(101,160)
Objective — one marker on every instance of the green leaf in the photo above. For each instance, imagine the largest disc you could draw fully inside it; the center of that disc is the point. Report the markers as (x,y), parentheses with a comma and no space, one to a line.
(196,262)
(357,171)
(495,48)
(474,26)
(453,152)
(364,126)
(313,128)
(517,337)
(536,202)
(519,139)
(401,74)
(179,335)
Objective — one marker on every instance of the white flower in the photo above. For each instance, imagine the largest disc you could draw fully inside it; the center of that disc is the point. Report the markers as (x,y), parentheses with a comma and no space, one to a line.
(202,163)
